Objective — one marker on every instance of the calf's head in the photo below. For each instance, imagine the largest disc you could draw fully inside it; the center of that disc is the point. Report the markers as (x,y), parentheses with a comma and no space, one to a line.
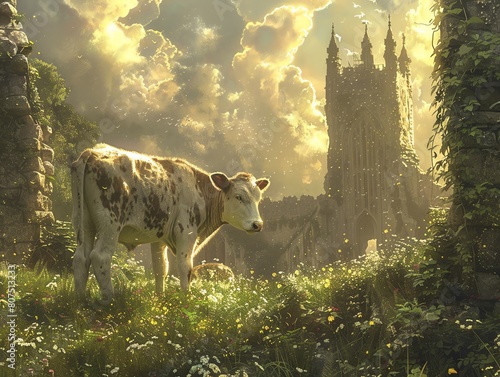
(241,196)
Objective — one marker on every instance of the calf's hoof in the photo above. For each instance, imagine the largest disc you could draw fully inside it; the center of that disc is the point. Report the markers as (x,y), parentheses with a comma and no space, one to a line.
(102,304)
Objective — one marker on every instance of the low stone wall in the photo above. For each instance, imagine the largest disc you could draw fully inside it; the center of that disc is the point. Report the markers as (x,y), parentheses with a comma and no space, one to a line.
(25,159)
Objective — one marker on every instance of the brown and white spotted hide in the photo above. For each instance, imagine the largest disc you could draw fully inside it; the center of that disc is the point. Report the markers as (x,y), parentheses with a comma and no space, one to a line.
(132,198)
(211,271)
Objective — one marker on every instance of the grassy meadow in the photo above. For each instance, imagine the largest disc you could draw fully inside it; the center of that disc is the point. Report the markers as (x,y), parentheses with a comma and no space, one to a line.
(386,314)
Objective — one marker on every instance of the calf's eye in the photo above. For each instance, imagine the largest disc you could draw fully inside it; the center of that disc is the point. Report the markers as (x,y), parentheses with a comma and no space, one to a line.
(238,197)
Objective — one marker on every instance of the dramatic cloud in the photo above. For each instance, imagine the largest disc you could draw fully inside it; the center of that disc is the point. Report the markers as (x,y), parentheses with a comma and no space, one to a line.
(139,61)
(266,71)
(419,36)
(252,10)
(229,84)
(274,86)
(396,5)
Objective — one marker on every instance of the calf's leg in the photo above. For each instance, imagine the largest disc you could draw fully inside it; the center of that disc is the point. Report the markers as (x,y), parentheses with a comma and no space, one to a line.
(184,258)
(160,265)
(184,253)
(100,258)
(185,265)
(81,262)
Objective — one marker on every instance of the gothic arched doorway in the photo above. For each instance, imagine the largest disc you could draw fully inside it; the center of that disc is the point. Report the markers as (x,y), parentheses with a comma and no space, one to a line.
(366,229)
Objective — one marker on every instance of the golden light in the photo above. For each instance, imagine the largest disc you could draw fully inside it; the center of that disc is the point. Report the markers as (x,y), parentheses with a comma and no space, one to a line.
(112,30)
(317,143)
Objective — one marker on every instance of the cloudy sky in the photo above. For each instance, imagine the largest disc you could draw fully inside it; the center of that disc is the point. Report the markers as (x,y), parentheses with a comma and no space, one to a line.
(230,85)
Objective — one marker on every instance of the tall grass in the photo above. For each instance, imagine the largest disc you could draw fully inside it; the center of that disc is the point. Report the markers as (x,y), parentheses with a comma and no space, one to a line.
(362,318)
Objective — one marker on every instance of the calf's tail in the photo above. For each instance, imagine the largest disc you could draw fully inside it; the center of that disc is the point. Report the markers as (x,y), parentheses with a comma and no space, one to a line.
(81,262)
(77,190)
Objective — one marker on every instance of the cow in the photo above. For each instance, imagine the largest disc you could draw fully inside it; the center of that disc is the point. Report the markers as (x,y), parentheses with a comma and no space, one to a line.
(131,198)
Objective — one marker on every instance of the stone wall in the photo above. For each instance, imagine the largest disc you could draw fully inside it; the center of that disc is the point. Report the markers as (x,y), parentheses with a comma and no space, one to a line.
(25,158)
(475,167)
(296,231)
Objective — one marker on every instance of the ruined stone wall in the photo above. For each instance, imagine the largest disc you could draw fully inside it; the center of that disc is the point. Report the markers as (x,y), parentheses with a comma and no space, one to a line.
(25,158)
(296,231)
(285,218)
(291,229)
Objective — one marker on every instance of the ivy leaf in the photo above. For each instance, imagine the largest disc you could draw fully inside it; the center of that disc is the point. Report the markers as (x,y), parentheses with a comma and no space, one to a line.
(484,54)
(432,317)
(455,11)
(464,49)
(474,20)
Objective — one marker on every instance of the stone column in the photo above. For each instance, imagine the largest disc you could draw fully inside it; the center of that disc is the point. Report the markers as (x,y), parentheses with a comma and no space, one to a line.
(475,211)
(25,160)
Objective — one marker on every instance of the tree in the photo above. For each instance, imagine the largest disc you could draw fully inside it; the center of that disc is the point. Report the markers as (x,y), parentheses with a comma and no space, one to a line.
(70,130)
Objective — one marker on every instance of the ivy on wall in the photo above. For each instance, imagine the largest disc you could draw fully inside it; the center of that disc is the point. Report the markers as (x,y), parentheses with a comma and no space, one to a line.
(466,83)
(466,62)
(70,129)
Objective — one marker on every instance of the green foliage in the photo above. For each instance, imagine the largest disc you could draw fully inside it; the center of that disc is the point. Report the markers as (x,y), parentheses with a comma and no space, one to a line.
(465,65)
(71,131)
(55,247)
(368,317)
(466,79)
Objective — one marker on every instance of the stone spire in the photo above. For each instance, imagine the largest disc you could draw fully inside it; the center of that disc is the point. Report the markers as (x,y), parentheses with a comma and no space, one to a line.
(333,60)
(404,60)
(366,50)
(390,49)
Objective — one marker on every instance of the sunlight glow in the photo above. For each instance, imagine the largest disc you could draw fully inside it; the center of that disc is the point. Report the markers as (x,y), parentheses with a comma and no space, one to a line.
(317,143)
(112,29)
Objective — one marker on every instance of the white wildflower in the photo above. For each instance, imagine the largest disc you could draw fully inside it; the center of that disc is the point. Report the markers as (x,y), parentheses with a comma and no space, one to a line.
(52,285)
(214,368)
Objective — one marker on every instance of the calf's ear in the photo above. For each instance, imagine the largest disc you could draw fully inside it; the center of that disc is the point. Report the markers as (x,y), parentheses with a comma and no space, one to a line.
(220,181)
(262,183)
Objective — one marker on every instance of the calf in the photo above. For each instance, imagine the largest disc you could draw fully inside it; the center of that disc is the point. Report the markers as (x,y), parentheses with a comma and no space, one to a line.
(132,198)
(212,271)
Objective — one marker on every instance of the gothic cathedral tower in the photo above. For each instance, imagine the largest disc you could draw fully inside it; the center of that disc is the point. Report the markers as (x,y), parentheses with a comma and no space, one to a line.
(373,178)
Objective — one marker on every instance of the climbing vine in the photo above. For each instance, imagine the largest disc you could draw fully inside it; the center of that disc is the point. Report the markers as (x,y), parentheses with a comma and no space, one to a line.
(466,71)
(466,82)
